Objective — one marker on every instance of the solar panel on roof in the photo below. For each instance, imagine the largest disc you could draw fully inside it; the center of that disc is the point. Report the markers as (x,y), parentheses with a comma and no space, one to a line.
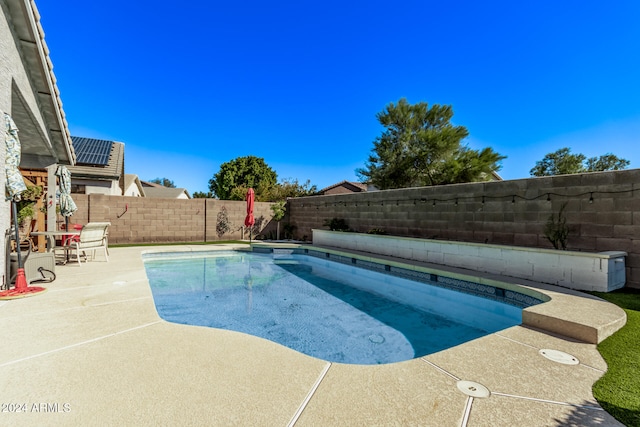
(91,151)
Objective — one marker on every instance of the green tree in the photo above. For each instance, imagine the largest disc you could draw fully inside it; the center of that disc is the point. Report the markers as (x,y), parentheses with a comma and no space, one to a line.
(560,162)
(202,195)
(563,162)
(165,182)
(420,146)
(243,172)
(287,188)
(290,187)
(606,162)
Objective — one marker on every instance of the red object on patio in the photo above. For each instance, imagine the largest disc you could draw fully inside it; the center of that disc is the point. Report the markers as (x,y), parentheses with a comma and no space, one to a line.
(67,238)
(249,219)
(22,288)
(14,186)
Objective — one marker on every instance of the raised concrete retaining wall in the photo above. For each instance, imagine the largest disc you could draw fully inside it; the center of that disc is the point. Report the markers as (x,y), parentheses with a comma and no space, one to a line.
(602,272)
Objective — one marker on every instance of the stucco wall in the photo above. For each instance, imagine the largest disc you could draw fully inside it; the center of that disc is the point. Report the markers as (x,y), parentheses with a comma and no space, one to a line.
(5,212)
(13,71)
(132,191)
(99,187)
(503,212)
(13,77)
(7,55)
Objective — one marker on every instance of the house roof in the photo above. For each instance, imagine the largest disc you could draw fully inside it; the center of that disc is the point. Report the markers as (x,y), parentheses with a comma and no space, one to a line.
(152,184)
(94,152)
(356,187)
(151,189)
(496,176)
(131,178)
(41,147)
(112,170)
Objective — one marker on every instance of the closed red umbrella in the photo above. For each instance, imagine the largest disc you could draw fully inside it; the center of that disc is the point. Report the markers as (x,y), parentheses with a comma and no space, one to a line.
(249,219)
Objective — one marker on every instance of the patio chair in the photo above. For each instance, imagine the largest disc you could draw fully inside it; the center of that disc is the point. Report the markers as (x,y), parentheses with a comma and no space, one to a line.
(64,240)
(93,236)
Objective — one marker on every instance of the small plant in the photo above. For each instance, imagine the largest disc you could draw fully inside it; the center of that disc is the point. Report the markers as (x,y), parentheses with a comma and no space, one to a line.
(288,230)
(25,211)
(32,193)
(336,224)
(377,231)
(26,205)
(278,209)
(556,230)
(222,223)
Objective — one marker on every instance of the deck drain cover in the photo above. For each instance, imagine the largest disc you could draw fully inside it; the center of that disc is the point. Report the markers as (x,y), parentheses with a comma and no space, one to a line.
(473,389)
(559,356)
(376,339)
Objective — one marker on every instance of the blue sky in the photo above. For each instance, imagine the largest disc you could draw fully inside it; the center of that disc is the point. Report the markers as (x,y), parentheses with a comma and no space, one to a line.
(190,85)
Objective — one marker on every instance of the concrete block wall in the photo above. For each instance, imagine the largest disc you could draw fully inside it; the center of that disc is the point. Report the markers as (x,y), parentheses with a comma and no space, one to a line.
(602,210)
(151,220)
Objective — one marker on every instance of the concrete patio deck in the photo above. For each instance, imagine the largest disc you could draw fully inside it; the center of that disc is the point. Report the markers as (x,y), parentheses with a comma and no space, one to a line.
(93,351)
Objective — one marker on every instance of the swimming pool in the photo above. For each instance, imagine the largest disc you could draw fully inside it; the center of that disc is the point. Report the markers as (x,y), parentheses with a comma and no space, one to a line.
(336,311)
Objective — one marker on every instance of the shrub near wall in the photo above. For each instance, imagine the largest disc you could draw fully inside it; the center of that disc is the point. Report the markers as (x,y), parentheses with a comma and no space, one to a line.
(602,212)
(152,220)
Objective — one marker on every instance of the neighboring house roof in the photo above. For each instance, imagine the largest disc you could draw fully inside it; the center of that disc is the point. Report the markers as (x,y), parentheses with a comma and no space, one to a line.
(166,193)
(344,187)
(154,190)
(152,184)
(93,166)
(48,143)
(131,179)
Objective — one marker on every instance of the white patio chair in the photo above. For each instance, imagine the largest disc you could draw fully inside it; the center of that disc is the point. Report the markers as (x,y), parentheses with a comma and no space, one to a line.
(93,236)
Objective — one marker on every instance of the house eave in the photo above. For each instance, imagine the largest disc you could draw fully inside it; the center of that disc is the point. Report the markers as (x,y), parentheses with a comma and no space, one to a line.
(51,144)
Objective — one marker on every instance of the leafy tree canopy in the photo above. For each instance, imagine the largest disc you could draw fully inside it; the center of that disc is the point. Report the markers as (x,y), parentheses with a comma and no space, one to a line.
(165,182)
(290,187)
(419,146)
(243,172)
(563,162)
(278,192)
(202,195)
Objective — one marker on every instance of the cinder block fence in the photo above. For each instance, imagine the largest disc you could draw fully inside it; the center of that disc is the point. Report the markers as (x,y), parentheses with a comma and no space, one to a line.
(150,220)
(602,213)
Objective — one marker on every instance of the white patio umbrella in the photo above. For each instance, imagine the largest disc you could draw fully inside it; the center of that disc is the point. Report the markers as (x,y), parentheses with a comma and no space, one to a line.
(14,187)
(67,205)
(15,184)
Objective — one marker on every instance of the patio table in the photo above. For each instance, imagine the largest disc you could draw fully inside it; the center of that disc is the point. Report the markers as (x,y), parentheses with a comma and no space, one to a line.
(51,239)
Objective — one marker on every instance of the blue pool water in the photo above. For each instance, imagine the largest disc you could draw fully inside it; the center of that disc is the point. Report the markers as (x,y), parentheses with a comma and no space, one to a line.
(336,312)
